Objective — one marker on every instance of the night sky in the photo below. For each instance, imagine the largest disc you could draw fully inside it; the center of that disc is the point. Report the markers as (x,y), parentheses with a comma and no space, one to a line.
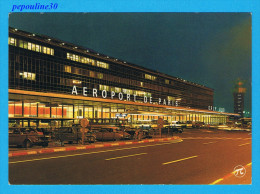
(212,49)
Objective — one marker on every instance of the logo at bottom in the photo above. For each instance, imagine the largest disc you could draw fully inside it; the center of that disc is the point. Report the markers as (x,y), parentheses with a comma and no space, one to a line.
(239,171)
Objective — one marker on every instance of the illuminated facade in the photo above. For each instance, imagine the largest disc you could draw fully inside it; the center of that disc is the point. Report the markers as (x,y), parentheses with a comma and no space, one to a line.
(55,83)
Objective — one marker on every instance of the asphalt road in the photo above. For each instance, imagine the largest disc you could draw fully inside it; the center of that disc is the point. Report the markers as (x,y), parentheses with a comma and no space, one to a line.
(203,157)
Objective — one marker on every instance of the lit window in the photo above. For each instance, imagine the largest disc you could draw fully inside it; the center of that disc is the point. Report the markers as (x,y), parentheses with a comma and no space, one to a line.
(76,82)
(150,77)
(48,51)
(12,41)
(85,60)
(104,87)
(37,48)
(171,98)
(140,93)
(33,47)
(102,64)
(141,84)
(67,69)
(27,75)
(29,46)
(44,50)
(21,43)
(167,81)
(117,90)
(100,75)
(25,45)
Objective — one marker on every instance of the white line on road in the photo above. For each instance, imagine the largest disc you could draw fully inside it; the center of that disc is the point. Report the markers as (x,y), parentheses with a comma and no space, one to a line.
(210,142)
(125,156)
(244,144)
(103,151)
(179,160)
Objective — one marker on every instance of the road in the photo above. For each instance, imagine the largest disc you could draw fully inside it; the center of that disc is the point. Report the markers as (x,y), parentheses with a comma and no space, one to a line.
(203,157)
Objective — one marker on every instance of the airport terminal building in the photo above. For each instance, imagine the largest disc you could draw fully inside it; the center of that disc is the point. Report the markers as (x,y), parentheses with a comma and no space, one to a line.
(55,83)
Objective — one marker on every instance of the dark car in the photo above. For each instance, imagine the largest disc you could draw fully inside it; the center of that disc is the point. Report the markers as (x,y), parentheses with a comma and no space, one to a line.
(73,134)
(199,124)
(27,137)
(171,130)
(111,133)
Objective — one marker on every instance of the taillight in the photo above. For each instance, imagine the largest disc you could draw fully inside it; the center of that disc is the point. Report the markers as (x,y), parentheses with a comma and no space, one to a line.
(40,133)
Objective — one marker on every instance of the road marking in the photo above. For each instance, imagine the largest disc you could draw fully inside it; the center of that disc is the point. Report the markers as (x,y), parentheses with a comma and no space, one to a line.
(103,151)
(125,156)
(210,142)
(244,144)
(217,181)
(179,160)
(228,175)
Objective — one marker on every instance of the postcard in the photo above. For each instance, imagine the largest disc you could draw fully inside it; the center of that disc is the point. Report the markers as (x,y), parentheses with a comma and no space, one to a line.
(132,99)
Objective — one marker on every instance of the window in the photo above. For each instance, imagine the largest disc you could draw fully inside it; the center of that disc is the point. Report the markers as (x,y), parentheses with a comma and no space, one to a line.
(171,98)
(142,84)
(21,43)
(37,48)
(167,81)
(85,60)
(12,41)
(103,87)
(31,46)
(44,50)
(150,77)
(67,69)
(27,75)
(100,75)
(127,91)
(92,74)
(117,90)
(102,64)
(76,81)
(139,93)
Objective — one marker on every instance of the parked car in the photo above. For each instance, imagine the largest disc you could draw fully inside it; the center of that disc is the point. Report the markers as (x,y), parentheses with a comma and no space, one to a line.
(198,124)
(178,125)
(189,124)
(111,133)
(146,131)
(73,134)
(26,137)
(170,129)
(129,130)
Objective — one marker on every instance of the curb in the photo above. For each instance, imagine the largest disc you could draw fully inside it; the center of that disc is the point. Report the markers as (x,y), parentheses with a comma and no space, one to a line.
(62,149)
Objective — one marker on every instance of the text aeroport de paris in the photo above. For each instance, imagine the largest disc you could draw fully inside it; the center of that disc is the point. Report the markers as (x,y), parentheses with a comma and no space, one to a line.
(120,96)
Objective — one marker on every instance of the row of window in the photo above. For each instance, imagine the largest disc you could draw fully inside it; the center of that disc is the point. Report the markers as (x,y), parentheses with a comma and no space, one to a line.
(125,91)
(27,75)
(86,60)
(79,71)
(30,46)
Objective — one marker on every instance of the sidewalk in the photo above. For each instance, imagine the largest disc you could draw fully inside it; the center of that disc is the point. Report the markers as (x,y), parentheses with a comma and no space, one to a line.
(85,147)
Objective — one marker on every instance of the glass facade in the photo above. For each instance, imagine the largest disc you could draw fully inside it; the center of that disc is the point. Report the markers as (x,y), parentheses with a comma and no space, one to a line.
(42,64)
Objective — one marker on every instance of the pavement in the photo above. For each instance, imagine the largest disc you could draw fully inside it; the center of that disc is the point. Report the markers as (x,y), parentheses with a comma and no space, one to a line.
(206,157)
(68,147)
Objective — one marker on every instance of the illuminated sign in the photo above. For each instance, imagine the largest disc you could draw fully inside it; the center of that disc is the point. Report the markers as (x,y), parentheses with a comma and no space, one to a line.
(121,96)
